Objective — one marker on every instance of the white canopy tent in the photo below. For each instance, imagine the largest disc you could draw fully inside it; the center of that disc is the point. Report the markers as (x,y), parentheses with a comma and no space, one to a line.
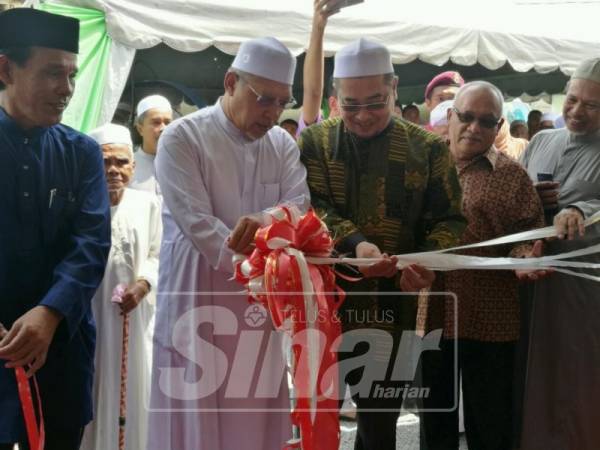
(528,35)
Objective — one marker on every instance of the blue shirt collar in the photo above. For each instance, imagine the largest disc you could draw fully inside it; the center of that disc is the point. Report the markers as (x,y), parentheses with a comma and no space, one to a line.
(13,129)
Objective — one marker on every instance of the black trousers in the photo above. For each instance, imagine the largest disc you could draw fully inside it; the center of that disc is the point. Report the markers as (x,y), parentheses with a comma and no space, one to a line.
(377,413)
(487,373)
(521,358)
(56,439)
(376,349)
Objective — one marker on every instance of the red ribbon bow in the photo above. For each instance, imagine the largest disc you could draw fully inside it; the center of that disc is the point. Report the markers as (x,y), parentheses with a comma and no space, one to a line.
(302,299)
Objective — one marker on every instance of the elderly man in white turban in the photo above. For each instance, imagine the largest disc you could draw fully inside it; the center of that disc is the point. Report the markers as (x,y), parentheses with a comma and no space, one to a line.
(547,121)
(153,114)
(132,265)
(218,376)
(562,390)
(438,119)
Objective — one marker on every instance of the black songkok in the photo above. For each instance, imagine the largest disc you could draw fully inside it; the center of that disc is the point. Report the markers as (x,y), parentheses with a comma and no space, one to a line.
(28,27)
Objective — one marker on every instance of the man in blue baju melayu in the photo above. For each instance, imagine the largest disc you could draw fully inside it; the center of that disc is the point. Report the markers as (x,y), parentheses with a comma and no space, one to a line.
(54,229)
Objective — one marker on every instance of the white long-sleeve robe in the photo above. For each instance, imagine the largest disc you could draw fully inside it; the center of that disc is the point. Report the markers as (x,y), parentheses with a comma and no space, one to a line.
(562,392)
(144,177)
(136,233)
(210,175)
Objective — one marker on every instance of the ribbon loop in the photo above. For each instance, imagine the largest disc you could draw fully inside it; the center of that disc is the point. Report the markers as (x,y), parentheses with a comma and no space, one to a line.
(302,299)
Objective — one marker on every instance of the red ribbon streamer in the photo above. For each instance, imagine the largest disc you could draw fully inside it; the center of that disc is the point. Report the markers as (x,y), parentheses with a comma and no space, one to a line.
(35,434)
(273,274)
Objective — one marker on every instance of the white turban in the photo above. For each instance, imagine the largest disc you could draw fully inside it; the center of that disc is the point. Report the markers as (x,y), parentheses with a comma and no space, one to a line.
(111,133)
(549,117)
(153,102)
(362,58)
(559,122)
(266,58)
(439,114)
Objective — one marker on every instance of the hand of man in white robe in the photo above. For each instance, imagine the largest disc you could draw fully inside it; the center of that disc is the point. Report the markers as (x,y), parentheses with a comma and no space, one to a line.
(548,193)
(134,295)
(568,223)
(241,239)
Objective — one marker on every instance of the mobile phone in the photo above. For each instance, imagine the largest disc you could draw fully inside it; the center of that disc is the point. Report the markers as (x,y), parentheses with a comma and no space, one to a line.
(545,176)
(344,4)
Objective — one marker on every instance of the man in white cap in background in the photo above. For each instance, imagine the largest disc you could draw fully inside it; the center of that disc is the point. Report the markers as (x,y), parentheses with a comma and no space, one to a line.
(133,265)
(219,169)
(384,186)
(438,119)
(562,392)
(547,121)
(153,114)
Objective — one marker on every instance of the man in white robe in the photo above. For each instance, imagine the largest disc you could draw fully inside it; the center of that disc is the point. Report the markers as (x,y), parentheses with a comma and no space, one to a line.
(218,369)
(562,391)
(132,262)
(153,114)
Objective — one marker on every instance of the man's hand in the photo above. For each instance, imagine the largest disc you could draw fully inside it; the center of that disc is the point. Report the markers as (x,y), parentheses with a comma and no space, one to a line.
(416,277)
(27,341)
(548,193)
(385,268)
(530,274)
(134,295)
(568,223)
(242,236)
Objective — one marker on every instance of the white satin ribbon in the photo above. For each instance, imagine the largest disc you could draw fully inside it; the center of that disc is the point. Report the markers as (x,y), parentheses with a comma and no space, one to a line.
(442,260)
(311,310)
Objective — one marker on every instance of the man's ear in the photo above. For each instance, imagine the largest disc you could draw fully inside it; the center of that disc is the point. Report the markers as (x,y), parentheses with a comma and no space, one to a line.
(230,82)
(333,104)
(5,70)
(428,103)
(332,101)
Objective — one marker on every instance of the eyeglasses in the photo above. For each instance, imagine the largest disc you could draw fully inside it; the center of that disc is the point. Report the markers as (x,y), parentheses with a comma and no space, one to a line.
(351,107)
(265,101)
(484,122)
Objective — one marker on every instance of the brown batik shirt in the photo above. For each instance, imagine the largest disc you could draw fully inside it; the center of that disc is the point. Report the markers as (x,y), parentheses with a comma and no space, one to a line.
(498,199)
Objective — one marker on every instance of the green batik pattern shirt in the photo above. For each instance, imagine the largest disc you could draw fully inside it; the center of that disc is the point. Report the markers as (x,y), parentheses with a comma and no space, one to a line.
(398,190)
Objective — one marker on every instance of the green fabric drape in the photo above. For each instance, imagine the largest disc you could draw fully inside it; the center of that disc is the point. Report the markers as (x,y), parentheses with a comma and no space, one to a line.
(94,50)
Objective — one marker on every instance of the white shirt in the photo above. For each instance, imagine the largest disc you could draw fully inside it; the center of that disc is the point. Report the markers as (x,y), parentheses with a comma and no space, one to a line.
(574,161)
(135,242)
(144,175)
(210,175)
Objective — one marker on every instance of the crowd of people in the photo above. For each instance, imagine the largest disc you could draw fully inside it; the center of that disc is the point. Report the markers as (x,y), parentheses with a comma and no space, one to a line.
(106,246)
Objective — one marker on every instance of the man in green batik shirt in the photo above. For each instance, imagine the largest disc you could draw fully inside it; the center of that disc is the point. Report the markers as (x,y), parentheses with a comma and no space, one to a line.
(384,186)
